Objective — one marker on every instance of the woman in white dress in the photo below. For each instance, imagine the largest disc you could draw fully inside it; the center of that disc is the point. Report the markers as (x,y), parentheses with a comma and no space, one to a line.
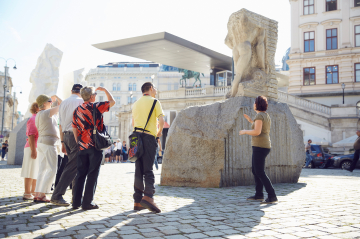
(46,122)
(30,166)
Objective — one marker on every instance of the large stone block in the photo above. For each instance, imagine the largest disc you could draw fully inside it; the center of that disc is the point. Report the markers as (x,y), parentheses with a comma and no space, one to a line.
(204,149)
(17,142)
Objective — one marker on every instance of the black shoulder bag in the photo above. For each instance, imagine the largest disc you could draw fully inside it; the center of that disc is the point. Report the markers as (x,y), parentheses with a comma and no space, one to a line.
(102,140)
(136,149)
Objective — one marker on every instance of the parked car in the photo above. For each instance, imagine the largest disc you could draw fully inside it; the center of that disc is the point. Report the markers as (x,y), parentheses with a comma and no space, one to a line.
(318,156)
(344,161)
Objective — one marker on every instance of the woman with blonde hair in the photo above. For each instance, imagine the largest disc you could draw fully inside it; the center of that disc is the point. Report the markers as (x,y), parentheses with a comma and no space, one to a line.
(46,122)
(30,165)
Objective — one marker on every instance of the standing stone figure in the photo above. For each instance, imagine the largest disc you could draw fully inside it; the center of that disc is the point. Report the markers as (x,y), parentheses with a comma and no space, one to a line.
(251,36)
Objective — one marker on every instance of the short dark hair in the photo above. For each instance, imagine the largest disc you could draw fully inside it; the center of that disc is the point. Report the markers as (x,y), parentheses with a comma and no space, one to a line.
(261,103)
(309,140)
(146,87)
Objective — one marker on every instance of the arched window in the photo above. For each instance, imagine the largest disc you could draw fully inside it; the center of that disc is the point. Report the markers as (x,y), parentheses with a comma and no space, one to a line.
(102,84)
(118,87)
(114,86)
(134,87)
(358,105)
(130,87)
(94,85)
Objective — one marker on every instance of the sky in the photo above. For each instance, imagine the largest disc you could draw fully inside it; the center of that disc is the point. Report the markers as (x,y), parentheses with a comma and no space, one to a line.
(74,25)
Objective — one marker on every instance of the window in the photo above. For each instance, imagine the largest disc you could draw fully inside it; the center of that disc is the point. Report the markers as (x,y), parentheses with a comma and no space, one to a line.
(357,34)
(134,87)
(118,87)
(357,72)
(309,76)
(102,84)
(114,86)
(134,99)
(176,86)
(130,87)
(331,39)
(308,7)
(129,99)
(101,98)
(331,5)
(309,41)
(117,99)
(357,3)
(332,74)
(169,86)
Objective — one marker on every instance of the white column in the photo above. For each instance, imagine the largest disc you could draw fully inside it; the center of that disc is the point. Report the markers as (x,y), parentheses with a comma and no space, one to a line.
(295,18)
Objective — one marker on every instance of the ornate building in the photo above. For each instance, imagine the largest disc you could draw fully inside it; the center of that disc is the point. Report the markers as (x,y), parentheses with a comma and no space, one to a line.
(325,50)
(10,119)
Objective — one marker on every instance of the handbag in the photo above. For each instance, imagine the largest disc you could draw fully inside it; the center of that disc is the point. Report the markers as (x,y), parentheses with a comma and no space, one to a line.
(136,149)
(102,140)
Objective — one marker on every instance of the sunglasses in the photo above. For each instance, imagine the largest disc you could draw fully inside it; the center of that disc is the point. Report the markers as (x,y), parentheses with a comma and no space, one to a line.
(50,101)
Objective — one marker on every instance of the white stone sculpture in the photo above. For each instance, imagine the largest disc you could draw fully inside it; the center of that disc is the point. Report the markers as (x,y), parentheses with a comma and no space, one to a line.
(253,40)
(75,77)
(45,76)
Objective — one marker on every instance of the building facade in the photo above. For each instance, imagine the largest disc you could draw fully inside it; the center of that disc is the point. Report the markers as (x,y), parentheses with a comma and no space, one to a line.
(325,51)
(124,81)
(10,118)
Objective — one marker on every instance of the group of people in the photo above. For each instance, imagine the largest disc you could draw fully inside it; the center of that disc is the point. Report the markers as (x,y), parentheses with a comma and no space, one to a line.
(65,128)
(69,127)
(117,152)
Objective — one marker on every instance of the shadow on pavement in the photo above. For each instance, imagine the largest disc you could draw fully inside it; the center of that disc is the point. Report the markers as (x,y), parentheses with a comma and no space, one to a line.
(197,210)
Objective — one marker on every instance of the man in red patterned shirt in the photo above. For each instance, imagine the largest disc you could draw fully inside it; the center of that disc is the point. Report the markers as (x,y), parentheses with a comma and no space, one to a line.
(89,159)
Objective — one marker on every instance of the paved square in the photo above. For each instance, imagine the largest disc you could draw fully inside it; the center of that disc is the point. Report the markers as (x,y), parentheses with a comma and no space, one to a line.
(324,204)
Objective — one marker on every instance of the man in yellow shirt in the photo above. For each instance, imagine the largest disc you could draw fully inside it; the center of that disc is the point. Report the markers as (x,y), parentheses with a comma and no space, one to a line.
(143,195)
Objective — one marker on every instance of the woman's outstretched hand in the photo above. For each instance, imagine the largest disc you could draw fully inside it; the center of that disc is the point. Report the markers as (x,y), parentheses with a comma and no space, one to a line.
(242,132)
(247,118)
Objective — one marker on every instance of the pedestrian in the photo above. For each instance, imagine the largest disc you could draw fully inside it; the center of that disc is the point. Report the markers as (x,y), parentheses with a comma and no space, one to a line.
(5,146)
(107,154)
(143,195)
(113,152)
(158,149)
(118,151)
(89,158)
(261,145)
(46,122)
(125,150)
(309,153)
(356,153)
(30,165)
(68,145)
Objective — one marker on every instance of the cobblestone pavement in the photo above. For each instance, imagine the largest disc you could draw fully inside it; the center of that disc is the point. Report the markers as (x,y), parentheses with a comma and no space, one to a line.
(324,204)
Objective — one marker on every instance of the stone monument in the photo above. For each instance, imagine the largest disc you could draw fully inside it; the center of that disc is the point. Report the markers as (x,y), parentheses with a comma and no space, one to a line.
(44,79)
(45,76)
(75,77)
(203,147)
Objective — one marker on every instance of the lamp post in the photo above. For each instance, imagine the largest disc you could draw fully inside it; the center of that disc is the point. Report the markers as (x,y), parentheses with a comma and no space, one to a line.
(343,88)
(12,118)
(152,78)
(5,86)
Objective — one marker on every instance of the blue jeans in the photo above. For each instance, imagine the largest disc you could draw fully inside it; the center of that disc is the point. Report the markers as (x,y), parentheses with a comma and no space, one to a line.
(88,167)
(3,153)
(309,158)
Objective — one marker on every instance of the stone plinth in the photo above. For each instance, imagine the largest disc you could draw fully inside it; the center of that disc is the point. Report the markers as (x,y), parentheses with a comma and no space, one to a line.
(204,148)
(17,142)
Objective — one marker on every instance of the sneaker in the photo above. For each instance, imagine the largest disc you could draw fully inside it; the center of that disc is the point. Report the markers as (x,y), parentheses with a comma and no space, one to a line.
(60,202)
(148,203)
(138,207)
(255,198)
(270,200)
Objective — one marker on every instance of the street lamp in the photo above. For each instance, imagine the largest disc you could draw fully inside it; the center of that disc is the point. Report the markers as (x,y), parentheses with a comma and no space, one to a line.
(152,78)
(343,88)
(5,86)
(12,118)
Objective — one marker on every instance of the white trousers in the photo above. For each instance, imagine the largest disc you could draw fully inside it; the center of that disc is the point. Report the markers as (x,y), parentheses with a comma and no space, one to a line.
(47,156)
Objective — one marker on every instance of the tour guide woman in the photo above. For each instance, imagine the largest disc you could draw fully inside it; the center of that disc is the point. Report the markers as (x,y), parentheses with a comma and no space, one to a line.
(261,146)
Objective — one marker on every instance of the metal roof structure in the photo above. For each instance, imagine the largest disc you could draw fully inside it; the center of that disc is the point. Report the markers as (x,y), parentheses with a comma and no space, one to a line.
(170,50)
